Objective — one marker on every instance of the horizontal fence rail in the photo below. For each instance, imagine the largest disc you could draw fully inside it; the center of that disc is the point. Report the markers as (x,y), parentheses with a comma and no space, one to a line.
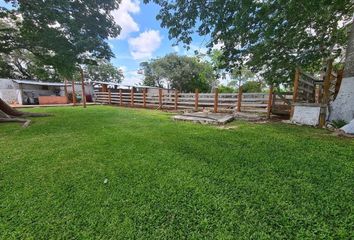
(217,102)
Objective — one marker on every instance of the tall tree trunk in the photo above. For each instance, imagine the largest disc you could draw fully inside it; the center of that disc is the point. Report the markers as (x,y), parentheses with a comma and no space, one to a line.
(343,106)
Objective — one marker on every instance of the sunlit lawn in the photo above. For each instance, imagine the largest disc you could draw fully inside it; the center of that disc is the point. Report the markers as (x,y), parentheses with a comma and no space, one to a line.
(116,173)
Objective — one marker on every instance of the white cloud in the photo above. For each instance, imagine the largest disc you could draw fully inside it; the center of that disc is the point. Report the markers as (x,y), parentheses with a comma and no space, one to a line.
(176,49)
(123,17)
(131,77)
(143,46)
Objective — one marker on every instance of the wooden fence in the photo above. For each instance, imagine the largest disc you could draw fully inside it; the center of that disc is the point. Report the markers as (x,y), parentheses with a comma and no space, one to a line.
(217,102)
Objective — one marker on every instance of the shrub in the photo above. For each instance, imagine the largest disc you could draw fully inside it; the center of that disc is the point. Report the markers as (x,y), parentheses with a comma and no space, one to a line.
(339,123)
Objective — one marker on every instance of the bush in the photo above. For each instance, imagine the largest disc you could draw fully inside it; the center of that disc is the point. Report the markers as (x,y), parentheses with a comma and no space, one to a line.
(339,123)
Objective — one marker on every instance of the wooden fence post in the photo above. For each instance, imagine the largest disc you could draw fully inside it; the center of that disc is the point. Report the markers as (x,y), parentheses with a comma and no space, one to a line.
(216,100)
(160,98)
(296,89)
(104,88)
(270,99)
(239,99)
(196,100)
(66,90)
(83,88)
(73,92)
(120,97)
(176,99)
(132,97)
(144,98)
(109,97)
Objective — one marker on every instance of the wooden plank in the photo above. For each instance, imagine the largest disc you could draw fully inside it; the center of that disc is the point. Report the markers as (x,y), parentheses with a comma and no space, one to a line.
(263,105)
(160,98)
(144,97)
(305,82)
(83,88)
(176,100)
(216,100)
(109,97)
(120,97)
(104,88)
(73,92)
(310,91)
(239,99)
(132,97)
(287,101)
(269,107)
(196,100)
(310,76)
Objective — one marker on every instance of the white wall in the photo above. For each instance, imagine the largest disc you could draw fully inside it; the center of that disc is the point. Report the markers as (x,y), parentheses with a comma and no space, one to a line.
(11,93)
(307,115)
(8,91)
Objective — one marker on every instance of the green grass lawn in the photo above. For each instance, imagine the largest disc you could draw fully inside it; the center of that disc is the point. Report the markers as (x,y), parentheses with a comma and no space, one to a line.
(115,173)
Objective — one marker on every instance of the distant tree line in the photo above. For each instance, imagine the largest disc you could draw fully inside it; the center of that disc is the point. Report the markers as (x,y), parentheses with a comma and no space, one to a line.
(183,73)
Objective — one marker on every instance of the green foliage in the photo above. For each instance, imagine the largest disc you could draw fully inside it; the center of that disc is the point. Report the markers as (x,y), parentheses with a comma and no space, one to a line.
(150,77)
(252,87)
(181,72)
(22,64)
(271,37)
(66,33)
(114,173)
(104,72)
(339,123)
(226,89)
(4,69)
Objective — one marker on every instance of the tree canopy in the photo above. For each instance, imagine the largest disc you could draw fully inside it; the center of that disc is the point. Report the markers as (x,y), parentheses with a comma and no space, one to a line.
(62,34)
(104,72)
(181,72)
(270,37)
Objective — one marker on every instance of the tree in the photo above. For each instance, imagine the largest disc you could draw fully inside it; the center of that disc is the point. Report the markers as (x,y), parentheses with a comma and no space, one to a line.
(252,87)
(181,72)
(241,76)
(63,34)
(16,61)
(343,106)
(104,72)
(22,64)
(150,78)
(226,89)
(67,33)
(271,37)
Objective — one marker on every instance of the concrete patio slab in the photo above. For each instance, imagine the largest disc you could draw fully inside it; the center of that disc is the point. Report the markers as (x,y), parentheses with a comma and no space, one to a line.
(205,118)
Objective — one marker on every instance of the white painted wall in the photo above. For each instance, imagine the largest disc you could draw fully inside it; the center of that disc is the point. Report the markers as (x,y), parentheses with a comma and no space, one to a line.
(11,93)
(8,91)
(306,115)
(343,106)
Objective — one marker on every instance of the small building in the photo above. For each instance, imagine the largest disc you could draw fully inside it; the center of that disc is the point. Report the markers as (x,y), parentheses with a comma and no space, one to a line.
(30,92)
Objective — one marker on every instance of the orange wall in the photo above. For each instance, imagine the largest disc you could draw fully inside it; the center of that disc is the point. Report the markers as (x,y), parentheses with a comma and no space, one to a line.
(52,100)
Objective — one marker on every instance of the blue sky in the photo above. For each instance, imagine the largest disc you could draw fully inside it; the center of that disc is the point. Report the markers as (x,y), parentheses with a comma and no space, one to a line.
(141,38)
